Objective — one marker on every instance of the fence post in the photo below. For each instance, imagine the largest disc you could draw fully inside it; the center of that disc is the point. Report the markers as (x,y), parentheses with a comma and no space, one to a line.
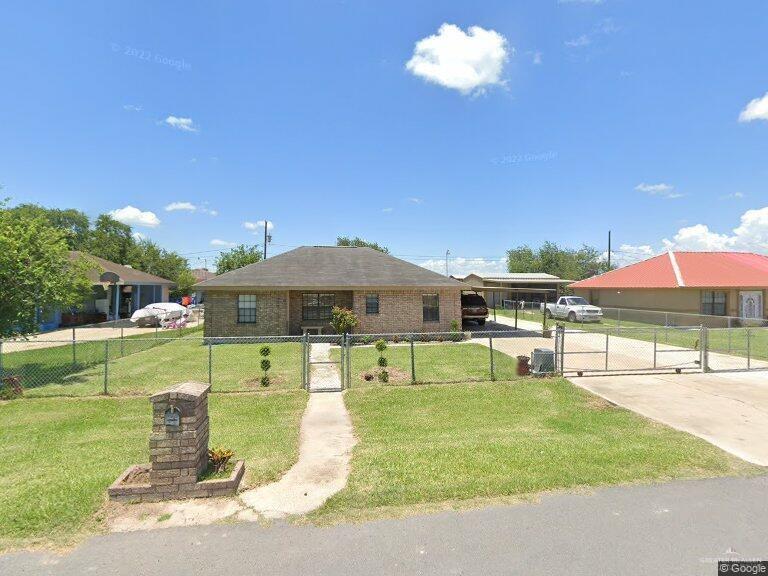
(704,360)
(655,345)
(607,334)
(122,342)
(74,348)
(561,329)
(348,375)
(304,360)
(106,366)
(210,363)
(729,335)
(749,349)
(618,322)
(1,358)
(342,360)
(490,345)
(413,363)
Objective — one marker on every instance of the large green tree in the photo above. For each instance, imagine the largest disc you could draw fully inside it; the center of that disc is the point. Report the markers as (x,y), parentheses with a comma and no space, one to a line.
(35,271)
(359,242)
(74,224)
(111,240)
(567,263)
(237,257)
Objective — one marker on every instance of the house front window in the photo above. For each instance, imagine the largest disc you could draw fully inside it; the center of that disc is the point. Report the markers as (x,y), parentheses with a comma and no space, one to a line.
(372,304)
(246,309)
(317,306)
(713,303)
(430,305)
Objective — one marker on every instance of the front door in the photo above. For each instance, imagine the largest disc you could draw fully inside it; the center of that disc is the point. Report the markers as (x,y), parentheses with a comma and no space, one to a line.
(751,304)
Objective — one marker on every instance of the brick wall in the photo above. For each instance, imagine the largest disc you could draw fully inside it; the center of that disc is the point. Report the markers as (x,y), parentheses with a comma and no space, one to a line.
(401,311)
(279,314)
(221,314)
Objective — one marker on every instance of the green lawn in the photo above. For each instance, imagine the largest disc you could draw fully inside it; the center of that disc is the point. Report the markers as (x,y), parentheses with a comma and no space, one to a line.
(40,366)
(435,446)
(434,362)
(57,456)
(141,366)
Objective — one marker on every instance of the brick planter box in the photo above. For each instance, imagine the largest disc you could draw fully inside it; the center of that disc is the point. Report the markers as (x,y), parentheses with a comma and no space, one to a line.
(178,449)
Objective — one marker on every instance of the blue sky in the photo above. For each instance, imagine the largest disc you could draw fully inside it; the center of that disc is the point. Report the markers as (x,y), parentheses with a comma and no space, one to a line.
(519,122)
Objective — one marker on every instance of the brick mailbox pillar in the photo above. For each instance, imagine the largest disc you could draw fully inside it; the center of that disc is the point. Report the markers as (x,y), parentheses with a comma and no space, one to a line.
(178,450)
(178,446)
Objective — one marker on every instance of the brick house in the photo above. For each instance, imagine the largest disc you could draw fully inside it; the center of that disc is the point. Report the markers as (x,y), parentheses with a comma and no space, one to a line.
(294,292)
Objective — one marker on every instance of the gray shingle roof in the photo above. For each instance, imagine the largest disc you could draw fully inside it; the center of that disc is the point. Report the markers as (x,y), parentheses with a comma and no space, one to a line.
(127,274)
(331,267)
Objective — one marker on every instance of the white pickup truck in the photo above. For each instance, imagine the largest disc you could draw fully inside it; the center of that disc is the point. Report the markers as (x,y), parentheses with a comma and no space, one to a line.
(574,309)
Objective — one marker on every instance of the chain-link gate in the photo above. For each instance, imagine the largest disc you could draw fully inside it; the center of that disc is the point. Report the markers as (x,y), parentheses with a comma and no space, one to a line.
(324,363)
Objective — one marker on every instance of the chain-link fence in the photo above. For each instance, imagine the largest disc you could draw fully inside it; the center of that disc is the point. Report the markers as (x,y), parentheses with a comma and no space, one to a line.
(144,365)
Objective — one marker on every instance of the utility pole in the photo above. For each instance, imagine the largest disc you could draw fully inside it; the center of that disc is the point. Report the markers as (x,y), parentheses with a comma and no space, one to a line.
(609,249)
(266,237)
(447,253)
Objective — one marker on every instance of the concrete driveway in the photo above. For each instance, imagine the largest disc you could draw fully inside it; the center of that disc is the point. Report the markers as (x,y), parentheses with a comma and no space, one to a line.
(730,410)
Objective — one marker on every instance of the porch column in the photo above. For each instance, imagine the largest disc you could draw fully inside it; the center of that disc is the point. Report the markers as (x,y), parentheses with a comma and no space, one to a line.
(137,303)
(116,288)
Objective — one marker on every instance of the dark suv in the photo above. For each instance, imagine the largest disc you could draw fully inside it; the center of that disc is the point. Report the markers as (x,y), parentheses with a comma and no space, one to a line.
(473,307)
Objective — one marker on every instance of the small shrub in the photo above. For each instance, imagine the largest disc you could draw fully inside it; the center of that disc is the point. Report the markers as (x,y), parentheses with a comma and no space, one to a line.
(383,376)
(395,339)
(218,458)
(381,345)
(265,365)
(343,320)
(368,377)
(382,362)
(455,327)
(11,388)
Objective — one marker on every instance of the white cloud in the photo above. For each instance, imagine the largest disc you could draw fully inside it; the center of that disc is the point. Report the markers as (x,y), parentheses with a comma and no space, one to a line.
(183,124)
(463,266)
(416,200)
(132,107)
(387,209)
(258,226)
(662,190)
(757,109)
(537,57)
(181,206)
(135,217)
(222,243)
(190,207)
(579,42)
(732,196)
(750,235)
(467,62)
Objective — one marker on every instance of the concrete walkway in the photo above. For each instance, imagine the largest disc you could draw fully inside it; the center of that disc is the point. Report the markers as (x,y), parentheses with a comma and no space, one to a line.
(324,374)
(728,410)
(327,439)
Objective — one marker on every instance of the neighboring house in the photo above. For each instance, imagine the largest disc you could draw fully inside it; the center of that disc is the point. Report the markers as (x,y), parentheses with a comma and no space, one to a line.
(294,292)
(133,290)
(716,283)
(496,288)
(202,274)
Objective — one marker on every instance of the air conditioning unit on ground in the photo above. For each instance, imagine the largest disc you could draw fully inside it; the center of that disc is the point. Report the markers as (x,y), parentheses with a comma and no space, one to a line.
(542,361)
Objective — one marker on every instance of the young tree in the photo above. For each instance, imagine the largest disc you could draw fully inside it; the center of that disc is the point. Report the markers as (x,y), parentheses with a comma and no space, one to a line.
(360,243)
(35,271)
(237,258)
(73,223)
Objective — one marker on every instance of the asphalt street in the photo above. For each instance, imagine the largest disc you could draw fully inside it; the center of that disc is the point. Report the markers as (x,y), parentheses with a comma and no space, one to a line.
(675,528)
